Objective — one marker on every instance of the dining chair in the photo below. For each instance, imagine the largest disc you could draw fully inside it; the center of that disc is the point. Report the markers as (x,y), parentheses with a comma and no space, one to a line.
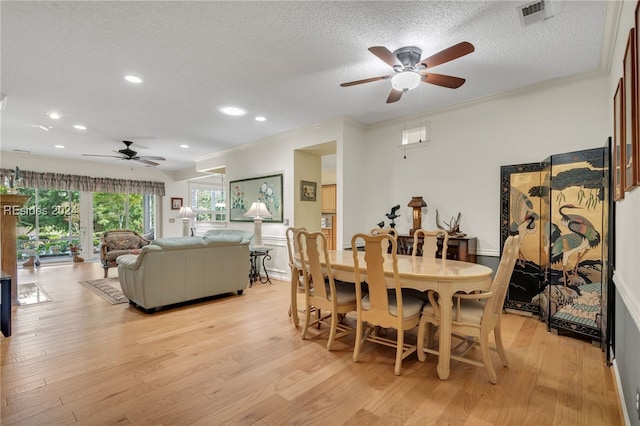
(429,246)
(475,316)
(297,277)
(388,231)
(382,307)
(338,298)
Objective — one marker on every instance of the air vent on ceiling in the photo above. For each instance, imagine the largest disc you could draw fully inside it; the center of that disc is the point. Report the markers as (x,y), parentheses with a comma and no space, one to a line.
(531,13)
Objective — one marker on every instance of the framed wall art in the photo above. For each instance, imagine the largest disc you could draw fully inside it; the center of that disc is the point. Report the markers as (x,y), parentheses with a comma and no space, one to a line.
(244,192)
(637,96)
(176,203)
(308,190)
(617,153)
(630,120)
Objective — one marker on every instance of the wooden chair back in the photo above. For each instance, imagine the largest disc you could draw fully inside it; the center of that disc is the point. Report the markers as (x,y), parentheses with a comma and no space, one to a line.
(297,278)
(385,231)
(292,245)
(313,245)
(374,247)
(494,305)
(429,246)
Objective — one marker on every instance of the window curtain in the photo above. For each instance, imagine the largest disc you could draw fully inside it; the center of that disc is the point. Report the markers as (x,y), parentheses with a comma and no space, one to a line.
(45,180)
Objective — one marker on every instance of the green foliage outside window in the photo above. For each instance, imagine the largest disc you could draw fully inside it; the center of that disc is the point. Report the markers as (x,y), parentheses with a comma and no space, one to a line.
(110,212)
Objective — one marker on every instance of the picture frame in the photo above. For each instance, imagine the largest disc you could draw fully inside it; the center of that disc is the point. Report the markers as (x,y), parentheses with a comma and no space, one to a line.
(629,137)
(617,147)
(176,203)
(308,190)
(244,192)
(637,95)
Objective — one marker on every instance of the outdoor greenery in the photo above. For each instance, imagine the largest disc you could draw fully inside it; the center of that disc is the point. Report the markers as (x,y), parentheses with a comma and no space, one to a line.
(110,212)
(55,214)
(208,204)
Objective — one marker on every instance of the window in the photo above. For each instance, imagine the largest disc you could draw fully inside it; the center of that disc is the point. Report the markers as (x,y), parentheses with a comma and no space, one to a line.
(208,203)
(416,135)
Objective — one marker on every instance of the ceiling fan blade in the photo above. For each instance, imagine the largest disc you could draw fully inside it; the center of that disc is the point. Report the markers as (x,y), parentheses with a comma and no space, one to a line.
(385,54)
(366,80)
(394,96)
(443,80)
(150,157)
(150,163)
(99,155)
(448,54)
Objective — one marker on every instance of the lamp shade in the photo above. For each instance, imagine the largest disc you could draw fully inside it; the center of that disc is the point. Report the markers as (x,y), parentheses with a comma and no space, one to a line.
(417,202)
(186,212)
(258,210)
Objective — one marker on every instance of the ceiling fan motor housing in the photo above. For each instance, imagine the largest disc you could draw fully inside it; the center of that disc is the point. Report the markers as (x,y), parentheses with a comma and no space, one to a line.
(409,56)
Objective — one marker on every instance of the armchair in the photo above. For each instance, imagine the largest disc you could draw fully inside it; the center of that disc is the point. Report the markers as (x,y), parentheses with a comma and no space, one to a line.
(117,243)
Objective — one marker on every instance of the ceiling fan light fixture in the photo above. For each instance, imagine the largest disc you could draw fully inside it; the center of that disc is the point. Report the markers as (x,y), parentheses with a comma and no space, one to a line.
(405,81)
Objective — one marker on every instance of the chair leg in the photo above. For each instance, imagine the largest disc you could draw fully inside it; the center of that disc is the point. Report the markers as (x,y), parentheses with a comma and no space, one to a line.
(422,357)
(358,343)
(293,307)
(106,271)
(307,320)
(399,351)
(497,332)
(332,331)
(486,358)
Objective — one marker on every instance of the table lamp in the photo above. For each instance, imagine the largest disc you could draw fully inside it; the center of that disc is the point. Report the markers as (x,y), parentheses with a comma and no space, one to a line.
(258,211)
(417,203)
(186,213)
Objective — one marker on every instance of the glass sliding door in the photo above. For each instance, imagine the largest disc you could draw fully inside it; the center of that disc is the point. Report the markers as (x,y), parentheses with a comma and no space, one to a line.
(49,225)
(118,211)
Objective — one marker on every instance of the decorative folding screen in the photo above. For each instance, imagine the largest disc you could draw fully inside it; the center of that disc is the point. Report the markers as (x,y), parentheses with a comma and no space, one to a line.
(560,206)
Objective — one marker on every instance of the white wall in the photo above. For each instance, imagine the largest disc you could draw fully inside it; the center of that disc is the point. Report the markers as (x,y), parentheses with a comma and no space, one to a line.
(459,169)
(627,250)
(627,273)
(272,156)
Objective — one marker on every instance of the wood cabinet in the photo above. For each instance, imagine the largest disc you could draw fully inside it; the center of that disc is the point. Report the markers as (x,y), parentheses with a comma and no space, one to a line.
(328,233)
(328,198)
(458,248)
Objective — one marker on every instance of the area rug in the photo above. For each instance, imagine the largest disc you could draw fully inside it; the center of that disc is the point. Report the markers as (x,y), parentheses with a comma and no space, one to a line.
(107,288)
(31,293)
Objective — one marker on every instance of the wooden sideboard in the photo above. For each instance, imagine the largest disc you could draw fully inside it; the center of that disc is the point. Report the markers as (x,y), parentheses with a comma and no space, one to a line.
(459,248)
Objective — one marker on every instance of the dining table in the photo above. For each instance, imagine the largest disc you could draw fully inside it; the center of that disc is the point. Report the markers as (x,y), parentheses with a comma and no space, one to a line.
(444,276)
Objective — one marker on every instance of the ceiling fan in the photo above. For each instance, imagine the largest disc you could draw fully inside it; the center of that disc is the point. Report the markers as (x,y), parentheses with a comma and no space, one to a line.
(128,154)
(410,70)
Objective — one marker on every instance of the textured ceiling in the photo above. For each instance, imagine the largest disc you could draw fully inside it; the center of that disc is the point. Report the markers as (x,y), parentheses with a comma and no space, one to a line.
(282,60)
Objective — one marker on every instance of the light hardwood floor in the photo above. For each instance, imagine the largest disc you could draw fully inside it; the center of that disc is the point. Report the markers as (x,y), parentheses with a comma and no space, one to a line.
(238,360)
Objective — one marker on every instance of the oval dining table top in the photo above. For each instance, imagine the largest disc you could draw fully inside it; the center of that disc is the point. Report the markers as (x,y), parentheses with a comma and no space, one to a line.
(415,267)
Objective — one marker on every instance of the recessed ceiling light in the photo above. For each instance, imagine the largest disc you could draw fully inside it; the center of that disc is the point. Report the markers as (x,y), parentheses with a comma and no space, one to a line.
(260,118)
(235,111)
(44,127)
(54,115)
(133,79)
(79,127)
(184,146)
(59,146)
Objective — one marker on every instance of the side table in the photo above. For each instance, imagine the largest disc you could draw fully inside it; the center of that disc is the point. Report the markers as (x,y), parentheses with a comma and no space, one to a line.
(254,258)
(5,309)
